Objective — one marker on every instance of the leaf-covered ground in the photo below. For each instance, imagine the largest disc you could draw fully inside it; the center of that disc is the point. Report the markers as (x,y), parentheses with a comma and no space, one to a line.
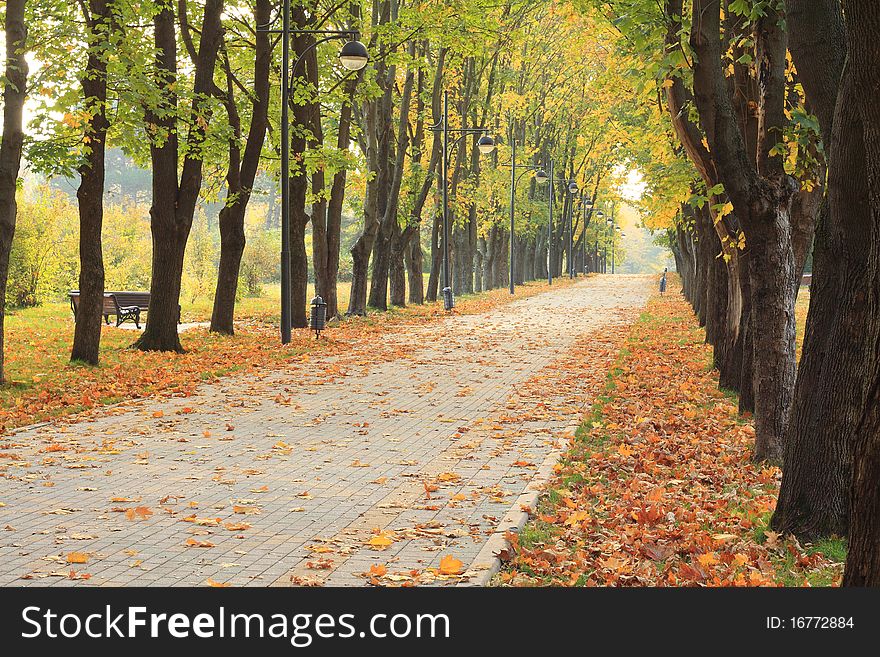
(42,383)
(657,488)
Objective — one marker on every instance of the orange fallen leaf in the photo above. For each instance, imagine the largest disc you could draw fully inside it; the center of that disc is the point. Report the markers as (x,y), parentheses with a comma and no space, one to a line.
(449,565)
(77,557)
(237,526)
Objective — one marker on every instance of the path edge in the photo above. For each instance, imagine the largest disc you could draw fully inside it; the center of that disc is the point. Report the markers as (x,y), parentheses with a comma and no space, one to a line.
(487,563)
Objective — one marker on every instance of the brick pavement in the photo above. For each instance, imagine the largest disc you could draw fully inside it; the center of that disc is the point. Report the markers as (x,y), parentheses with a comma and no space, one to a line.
(312,474)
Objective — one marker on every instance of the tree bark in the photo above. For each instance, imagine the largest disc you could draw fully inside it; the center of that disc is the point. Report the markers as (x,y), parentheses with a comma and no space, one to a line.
(102,28)
(174,199)
(14,93)
(240,175)
(414,264)
(829,393)
(389,227)
(761,195)
(863,557)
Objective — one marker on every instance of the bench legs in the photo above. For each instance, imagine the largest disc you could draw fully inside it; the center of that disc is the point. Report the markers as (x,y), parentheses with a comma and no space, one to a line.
(132,313)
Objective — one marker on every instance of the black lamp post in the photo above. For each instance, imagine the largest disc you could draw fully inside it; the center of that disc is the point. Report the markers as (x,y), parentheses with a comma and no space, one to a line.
(572,192)
(354,57)
(485,145)
(587,206)
(540,177)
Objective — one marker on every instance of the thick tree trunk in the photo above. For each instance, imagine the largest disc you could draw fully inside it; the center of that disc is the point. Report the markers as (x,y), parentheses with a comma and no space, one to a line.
(90,195)
(814,498)
(240,175)
(397,269)
(414,264)
(325,251)
(232,245)
(863,558)
(774,289)
(761,194)
(380,196)
(14,90)
(488,260)
(174,200)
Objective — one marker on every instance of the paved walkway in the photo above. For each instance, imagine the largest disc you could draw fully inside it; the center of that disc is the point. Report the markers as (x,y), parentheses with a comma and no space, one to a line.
(393,458)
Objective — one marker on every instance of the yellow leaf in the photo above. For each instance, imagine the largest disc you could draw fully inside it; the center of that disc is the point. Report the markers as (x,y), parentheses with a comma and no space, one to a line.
(381,541)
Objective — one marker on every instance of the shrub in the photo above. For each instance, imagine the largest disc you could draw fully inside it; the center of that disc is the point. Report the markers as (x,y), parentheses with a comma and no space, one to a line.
(43,264)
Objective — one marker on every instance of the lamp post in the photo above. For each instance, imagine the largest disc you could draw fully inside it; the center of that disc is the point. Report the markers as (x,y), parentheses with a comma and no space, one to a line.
(572,191)
(612,228)
(485,145)
(354,57)
(586,205)
(540,177)
(550,228)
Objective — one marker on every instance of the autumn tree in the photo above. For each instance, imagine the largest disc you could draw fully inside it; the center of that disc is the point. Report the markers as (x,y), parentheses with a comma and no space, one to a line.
(103,25)
(242,163)
(175,191)
(15,77)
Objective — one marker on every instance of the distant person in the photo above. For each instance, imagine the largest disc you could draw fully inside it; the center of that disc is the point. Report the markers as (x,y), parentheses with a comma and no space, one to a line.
(663,281)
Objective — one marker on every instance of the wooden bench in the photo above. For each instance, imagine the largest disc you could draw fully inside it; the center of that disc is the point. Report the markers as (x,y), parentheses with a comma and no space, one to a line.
(125,306)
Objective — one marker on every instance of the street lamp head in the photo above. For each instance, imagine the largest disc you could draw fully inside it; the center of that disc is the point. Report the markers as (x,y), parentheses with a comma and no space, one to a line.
(600,214)
(618,228)
(354,55)
(486,144)
(573,187)
(541,177)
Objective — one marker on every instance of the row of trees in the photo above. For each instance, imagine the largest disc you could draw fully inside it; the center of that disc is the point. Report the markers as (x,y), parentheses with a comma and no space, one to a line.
(186,90)
(772,108)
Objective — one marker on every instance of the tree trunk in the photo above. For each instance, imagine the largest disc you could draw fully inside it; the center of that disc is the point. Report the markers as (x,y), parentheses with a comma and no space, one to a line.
(90,195)
(14,90)
(328,256)
(414,264)
(744,350)
(174,200)
(774,288)
(397,270)
(761,193)
(379,136)
(863,558)
(814,497)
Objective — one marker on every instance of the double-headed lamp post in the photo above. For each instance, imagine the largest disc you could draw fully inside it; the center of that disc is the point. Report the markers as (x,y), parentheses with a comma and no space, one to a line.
(485,145)
(354,57)
(540,177)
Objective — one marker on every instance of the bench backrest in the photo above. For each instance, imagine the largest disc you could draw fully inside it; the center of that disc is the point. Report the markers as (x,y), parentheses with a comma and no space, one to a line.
(108,308)
(111,299)
(140,299)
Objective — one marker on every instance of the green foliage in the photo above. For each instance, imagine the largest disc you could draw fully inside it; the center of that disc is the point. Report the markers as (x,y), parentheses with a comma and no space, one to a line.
(259,262)
(200,261)
(43,262)
(127,247)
